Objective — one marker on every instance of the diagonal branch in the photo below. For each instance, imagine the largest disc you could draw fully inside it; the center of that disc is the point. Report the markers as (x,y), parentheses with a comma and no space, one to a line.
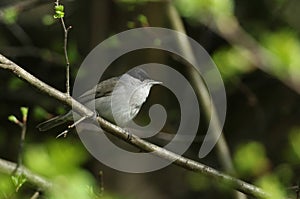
(8,167)
(133,139)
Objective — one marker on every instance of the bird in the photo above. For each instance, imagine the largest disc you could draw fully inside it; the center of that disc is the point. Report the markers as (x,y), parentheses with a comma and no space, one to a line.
(117,99)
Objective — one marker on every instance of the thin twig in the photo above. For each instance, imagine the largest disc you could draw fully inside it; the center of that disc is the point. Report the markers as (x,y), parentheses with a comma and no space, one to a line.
(66,32)
(35,195)
(133,139)
(23,126)
(101,182)
(21,145)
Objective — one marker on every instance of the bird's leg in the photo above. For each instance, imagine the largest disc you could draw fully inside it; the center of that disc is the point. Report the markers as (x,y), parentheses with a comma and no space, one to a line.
(65,132)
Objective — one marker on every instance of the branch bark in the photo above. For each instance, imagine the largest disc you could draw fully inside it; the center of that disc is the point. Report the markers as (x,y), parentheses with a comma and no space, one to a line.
(134,140)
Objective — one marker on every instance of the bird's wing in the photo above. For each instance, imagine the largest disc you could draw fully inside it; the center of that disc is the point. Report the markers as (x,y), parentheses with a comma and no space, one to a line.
(103,89)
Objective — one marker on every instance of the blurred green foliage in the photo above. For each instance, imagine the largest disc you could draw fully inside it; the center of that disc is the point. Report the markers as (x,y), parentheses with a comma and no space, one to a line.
(60,161)
(198,182)
(195,9)
(294,142)
(39,113)
(231,63)
(10,15)
(55,157)
(285,45)
(272,185)
(48,20)
(6,186)
(250,159)
(15,83)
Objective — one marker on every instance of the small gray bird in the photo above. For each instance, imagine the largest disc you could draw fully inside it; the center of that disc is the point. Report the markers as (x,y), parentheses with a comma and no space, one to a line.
(126,93)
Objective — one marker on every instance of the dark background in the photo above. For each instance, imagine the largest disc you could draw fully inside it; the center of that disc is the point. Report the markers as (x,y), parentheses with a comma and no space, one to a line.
(262,127)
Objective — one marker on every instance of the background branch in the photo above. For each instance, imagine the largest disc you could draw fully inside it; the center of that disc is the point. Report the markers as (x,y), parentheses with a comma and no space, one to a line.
(221,146)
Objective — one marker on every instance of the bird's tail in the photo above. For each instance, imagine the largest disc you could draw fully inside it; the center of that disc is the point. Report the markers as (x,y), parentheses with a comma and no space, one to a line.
(53,122)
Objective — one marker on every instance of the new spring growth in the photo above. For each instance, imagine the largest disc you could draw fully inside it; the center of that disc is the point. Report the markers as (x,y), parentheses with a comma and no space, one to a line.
(24,111)
(59,12)
(13,119)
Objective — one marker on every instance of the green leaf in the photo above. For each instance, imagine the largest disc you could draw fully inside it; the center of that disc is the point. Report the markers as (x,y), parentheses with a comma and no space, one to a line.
(59,15)
(59,12)
(59,8)
(18,181)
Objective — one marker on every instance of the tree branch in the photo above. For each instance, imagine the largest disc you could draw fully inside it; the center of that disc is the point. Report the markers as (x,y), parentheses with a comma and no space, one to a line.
(133,139)
(8,167)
